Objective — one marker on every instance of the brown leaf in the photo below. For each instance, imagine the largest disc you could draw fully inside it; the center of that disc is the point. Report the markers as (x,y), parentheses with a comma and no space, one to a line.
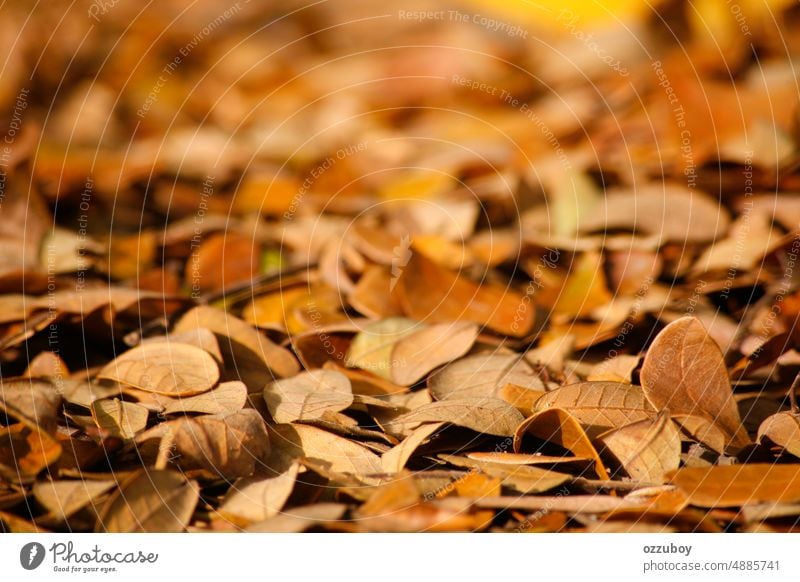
(255,499)
(559,426)
(64,498)
(292,441)
(783,429)
(526,459)
(434,294)
(684,372)
(394,460)
(484,415)
(599,405)
(150,501)
(119,418)
(735,485)
(37,399)
(226,398)
(670,211)
(243,347)
(521,478)
(221,261)
(25,449)
(231,445)
(298,519)
(308,395)
(199,337)
(414,355)
(647,449)
(372,348)
(617,369)
(170,369)
(481,376)
(702,430)
(585,289)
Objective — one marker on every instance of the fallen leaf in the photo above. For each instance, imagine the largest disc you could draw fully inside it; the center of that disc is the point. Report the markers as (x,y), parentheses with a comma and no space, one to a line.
(27,449)
(671,211)
(484,415)
(599,405)
(298,519)
(63,498)
(394,460)
(230,445)
(736,485)
(255,499)
(372,348)
(684,372)
(37,399)
(434,294)
(617,369)
(121,419)
(170,369)
(243,347)
(559,426)
(521,478)
(647,450)
(783,429)
(150,501)
(292,441)
(585,289)
(416,354)
(482,375)
(308,396)
(226,398)
(525,459)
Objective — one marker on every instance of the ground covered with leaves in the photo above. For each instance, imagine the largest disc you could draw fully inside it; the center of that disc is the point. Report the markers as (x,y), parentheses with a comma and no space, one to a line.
(345,267)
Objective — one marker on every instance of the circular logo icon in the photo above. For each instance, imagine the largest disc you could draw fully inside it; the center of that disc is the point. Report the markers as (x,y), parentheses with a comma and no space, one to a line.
(31,555)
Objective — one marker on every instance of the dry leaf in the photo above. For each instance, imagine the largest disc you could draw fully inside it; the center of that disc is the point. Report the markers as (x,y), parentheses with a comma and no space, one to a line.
(559,426)
(255,499)
(299,519)
(526,459)
(242,346)
(736,485)
(647,449)
(431,293)
(150,501)
(292,441)
(783,429)
(231,445)
(617,369)
(37,399)
(26,448)
(170,369)
(684,372)
(482,375)
(484,415)
(121,419)
(394,460)
(372,348)
(308,396)
(226,398)
(521,478)
(64,498)
(670,211)
(599,404)
(416,354)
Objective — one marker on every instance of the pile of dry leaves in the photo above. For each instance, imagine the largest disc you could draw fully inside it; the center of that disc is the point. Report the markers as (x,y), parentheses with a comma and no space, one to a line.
(346,267)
